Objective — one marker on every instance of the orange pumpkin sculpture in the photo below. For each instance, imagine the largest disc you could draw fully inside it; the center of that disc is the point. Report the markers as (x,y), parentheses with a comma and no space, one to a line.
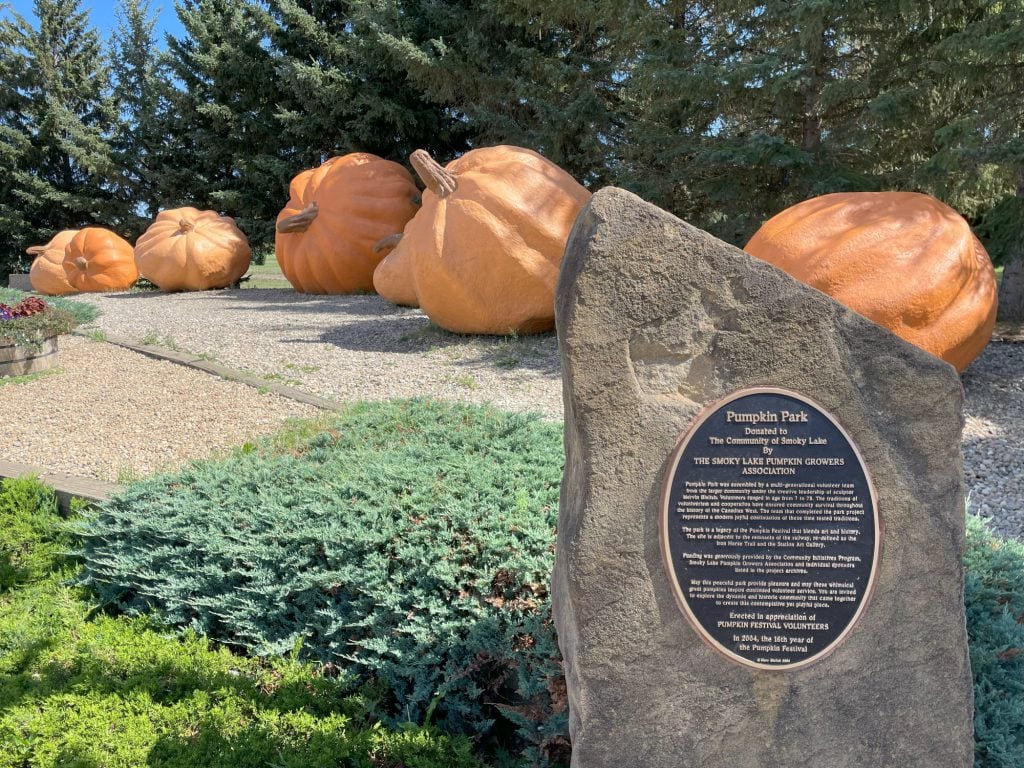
(98,260)
(484,251)
(186,249)
(902,259)
(393,279)
(47,271)
(338,222)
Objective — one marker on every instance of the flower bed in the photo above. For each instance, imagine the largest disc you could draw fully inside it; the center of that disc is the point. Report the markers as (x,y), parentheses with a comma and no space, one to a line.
(28,336)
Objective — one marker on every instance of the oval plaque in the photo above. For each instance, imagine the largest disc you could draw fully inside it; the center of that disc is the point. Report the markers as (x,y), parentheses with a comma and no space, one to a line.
(769,528)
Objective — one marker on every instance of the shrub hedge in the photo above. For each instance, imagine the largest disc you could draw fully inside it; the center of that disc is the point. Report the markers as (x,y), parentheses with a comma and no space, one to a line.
(409,542)
(994,600)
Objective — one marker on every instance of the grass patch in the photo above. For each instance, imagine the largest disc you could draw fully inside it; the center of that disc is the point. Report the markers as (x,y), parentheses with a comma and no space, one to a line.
(29,377)
(152,338)
(80,689)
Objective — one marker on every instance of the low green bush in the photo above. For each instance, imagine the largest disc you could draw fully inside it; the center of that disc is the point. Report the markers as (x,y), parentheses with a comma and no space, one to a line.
(409,542)
(994,599)
(79,690)
(34,540)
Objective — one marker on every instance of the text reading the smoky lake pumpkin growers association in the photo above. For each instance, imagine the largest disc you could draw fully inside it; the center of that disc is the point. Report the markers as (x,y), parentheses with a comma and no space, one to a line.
(772,530)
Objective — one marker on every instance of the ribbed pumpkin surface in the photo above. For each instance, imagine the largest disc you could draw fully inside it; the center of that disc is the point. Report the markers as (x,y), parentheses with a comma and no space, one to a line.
(902,259)
(47,271)
(98,260)
(335,217)
(186,249)
(484,251)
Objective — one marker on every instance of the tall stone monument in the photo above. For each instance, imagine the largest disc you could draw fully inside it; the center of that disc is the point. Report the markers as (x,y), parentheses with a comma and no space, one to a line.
(762,515)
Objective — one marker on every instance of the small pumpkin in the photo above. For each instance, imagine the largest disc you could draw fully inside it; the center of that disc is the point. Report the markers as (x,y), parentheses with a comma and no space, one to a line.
(902,259)
(484,251)
(186,249)
(338,222)
(47,271)
(98,260)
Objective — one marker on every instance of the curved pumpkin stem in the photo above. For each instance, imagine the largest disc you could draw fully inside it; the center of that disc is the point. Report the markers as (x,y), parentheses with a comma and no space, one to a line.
(300,221)
(35,250)
(387,243)
(81,263)
(434,177)
(185,226)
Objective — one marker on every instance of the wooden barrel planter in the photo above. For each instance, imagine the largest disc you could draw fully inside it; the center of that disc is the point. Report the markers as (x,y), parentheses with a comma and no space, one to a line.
(19,360)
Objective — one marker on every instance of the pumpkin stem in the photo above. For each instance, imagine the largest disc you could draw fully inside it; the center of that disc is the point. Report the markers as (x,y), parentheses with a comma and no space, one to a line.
(434,177)
(300,221)
(387,243)
(185,226)
(81,263)
(35,250)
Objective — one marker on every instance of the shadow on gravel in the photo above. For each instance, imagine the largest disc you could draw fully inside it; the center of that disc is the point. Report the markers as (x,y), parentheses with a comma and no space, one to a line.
(412,333)
(274,300)
(994,382)
(368,323)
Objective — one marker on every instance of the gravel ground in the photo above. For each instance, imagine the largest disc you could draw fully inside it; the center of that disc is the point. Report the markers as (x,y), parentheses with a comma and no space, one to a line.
(994,436)
(113,414)
(342,347)
(359,348)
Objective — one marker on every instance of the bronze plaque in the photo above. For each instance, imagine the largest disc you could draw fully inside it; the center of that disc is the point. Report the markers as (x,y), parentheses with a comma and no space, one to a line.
(769,528)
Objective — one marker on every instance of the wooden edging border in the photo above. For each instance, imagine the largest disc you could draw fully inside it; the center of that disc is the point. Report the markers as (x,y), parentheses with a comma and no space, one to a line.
(190,360)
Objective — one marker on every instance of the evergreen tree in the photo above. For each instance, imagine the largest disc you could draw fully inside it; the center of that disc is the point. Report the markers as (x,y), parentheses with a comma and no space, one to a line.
(344,92)
(979,54)
(225,145)
(673,100)
(56,118)
(139,93)
(543,75)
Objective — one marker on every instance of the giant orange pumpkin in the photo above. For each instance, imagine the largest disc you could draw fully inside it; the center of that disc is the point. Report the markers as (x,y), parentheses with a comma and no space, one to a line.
(485,249)
(47,271)
(335,228)
(186,249)
(902,259)
(98,260)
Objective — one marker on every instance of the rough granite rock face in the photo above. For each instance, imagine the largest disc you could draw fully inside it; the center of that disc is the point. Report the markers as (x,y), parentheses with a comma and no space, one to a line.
(656,319)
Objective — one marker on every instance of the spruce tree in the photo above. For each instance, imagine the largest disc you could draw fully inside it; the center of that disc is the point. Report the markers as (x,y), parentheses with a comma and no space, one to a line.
(543,75)
(225,145)
(343,91)
(979,54)
(139,93)
(56,119)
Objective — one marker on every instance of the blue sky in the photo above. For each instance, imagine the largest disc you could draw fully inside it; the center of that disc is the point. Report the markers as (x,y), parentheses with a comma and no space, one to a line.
(102,16)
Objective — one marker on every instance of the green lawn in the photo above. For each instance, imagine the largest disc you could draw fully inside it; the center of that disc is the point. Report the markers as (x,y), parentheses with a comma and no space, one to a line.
(83,689)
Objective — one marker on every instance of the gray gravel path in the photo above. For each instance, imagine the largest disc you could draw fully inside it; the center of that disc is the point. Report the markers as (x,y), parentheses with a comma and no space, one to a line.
(342,347)
(360,347)
(113,415)
(993,443)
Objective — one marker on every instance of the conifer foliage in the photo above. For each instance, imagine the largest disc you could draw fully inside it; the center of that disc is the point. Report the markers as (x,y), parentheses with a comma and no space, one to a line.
(410,543)
(56,120)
